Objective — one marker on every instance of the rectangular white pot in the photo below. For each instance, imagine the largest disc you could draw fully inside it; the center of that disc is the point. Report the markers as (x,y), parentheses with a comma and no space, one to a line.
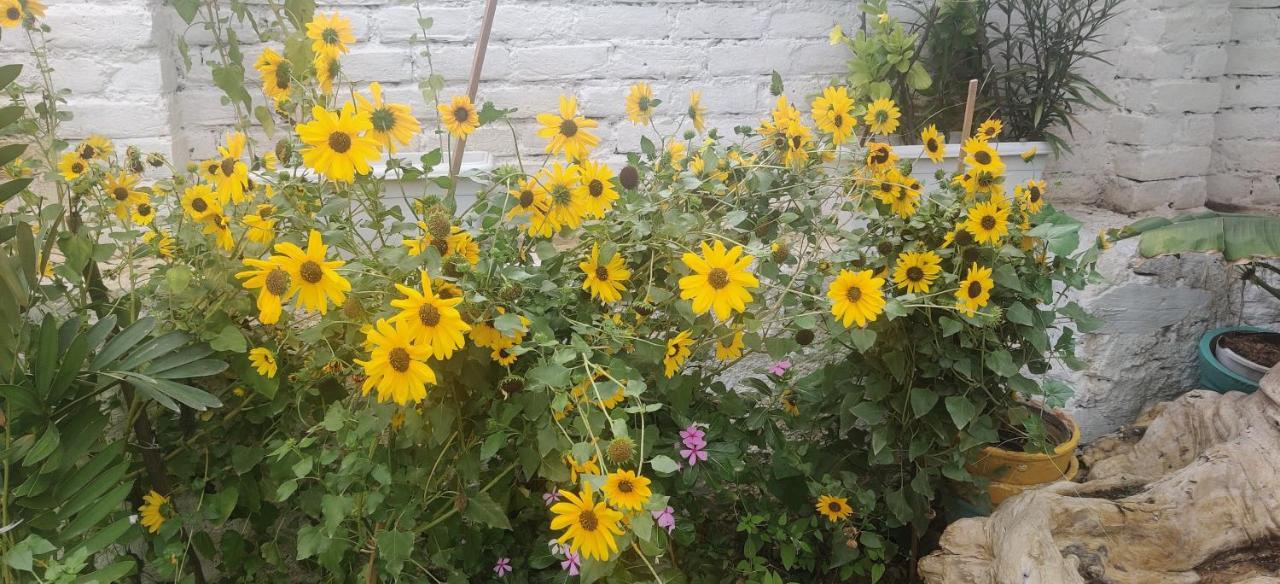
(1017,170)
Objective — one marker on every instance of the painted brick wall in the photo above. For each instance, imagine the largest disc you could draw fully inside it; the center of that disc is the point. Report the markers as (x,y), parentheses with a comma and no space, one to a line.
(1197,82)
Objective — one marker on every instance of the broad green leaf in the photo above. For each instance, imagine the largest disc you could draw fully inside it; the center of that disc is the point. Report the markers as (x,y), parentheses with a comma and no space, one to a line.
(663,464)
(482,508)
(922,400)
(962,410)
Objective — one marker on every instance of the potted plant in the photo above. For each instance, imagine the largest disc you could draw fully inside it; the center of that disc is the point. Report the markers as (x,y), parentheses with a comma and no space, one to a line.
(1026,54)
(1232,358)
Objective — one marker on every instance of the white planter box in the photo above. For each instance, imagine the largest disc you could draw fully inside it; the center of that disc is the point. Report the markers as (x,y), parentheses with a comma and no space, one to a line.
(1017,171)
(471,180)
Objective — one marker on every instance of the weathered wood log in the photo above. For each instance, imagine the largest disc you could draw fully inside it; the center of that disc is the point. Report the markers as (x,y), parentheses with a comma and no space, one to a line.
(1189,494)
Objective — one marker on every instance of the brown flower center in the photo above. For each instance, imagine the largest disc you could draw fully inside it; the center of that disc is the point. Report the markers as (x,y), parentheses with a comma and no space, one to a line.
(915,274)
(144,209)
(838,121)
(796,142)
(282,75)
(77,167)
(963,237)
(931,145)
(310,272)
(277,281)
(718,278)
(853,294)
(974,290)
(462,114)
(595,188)
(526,198)
(568,129)
(588,520)
(429,315)
(988,222)
(982,157)
(199,205)
(399,359)
(602,273)
(879,156)
(120,193)
(1035,193)
(13,13)
(340,142)
(834,506)
(625,486)
(87,151)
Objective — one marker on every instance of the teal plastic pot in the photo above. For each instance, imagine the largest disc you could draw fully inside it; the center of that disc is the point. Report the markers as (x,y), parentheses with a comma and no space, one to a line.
(1215,376)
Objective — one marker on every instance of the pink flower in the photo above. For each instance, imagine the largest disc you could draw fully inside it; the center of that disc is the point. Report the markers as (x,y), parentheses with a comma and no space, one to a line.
(571,563)
(503,567)
(666,518)
(693,454)
(693,436)
(550,497)
(780,368)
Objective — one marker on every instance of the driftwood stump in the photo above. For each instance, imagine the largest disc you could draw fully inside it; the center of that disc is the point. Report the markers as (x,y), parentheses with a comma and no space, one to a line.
(1189,494)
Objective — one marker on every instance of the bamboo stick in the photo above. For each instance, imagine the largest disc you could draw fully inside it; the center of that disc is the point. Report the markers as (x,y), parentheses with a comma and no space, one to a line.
(970,103)
(473,85)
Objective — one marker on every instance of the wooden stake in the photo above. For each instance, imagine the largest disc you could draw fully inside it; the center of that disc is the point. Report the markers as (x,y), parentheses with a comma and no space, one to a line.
(970,103)
(477,65)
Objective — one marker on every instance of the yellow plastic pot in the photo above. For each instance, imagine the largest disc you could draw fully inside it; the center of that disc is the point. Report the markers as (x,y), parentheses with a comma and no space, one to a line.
(1012,472)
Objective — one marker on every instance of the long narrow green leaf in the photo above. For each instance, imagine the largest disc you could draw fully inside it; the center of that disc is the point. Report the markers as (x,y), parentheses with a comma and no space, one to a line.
(9,115)
(153,348)
(100,331)
(26,241)
(11,152)
(151,389)
(71,363)
(18,400)
(106,536)
(90,471)
(124,341)
(201,368)
(8,73)
(46,358)
(198,399)
(92,491)
(99,511)
(179,358)
(113,573)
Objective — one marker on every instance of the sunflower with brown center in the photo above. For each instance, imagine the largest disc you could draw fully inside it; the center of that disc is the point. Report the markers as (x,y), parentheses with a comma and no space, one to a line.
(566,131)
(459,116)
(311,276)
(987,222)
(397,367)
(121,194)
(935,146)
(338,144)
(604,280)
(434,321)
(975,290)
(595,187)
(720,280)
(392,124)
(833,508)
(916,271)
(276,73)
(589,527)
(626,490)
(856,297)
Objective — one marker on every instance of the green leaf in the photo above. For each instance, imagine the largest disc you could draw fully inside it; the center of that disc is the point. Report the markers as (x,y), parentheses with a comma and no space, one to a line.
(962,410)
(335,508)
(775,84)
(1001,362)
(1018,313)
(394,547)
(869,412)
(491,113)
(922,400)
(122,342)
(43,447)
(662,464)
(1085,322)
(482,508)
(8,73)
(186,9)
(11,152)
(230,339)
(112,573)
(13,187)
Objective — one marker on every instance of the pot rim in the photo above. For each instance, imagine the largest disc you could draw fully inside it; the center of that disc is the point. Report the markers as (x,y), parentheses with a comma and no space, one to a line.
(1066,447)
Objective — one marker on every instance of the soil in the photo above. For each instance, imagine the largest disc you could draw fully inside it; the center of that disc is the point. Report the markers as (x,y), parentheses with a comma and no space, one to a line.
(1013,440)
(1261,348)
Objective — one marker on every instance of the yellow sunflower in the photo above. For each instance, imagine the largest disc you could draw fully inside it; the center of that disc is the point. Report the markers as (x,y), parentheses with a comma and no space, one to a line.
(566,131)
(595,186)
(567,206)
(459,116)
(640,103)
(833,508)
(397,366)
(530,202)
(461,244)
(327,71)
(231,177)
(935,145)
(95,147)
(989,130)
(273,283)
(393,124)
(163,242)
(605,281)
(626,490)
(330,34)
(981,157)
(987,222)
(856,297)
(119,189)
(219,227)
(728,351)
(483,333)
(338,145)
(71,166)
(799,140)
(35,8)
(143,213)
(261,224)
(696,111)
(833,113)
(503,356)
(916,271)
(678,349)
(975,290)
(676,153)
(590,527)
(882,116)
(720,280)
(880,156)
(152,510)
(276,73)
(1031,195)
(590,467)
(263,361)
(10,13)
(1028,154)
(314,279)
(434,321)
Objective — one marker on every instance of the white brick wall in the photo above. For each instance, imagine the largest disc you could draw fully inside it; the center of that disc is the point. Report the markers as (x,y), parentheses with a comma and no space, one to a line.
(1198,82)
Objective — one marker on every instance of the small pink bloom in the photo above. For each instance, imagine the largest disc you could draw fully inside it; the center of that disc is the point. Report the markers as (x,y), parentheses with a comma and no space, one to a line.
(503,567)
(693,454)
(666,518)
(780,368)
(571,563)
(549,498)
